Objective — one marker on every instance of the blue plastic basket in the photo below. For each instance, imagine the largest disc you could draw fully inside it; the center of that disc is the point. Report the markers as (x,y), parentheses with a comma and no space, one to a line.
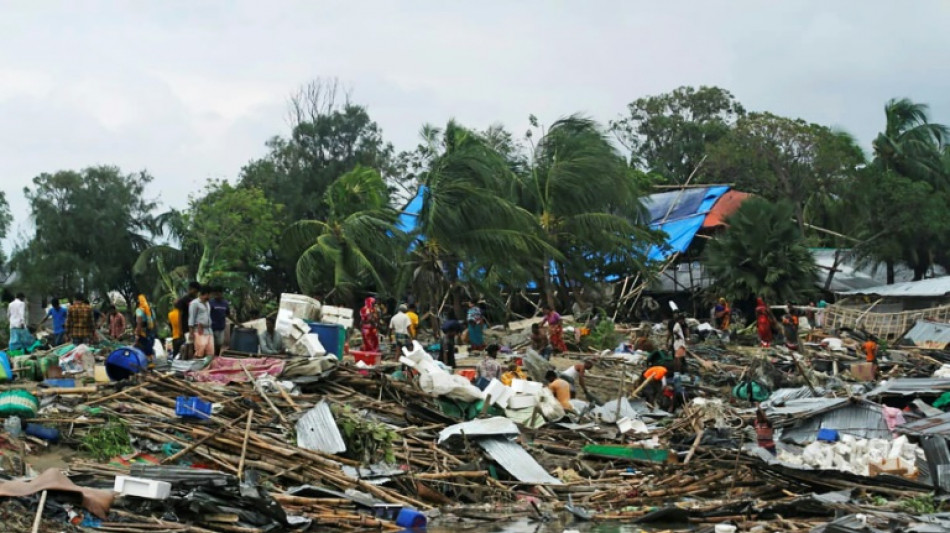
(192,407)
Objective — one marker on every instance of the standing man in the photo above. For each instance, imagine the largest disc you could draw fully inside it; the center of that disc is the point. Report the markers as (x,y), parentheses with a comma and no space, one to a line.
(220,311)
(399,326)
(80,321)
(58,313)
(117,323)
(183,304)
(16,314)
(413,321)
(199,324)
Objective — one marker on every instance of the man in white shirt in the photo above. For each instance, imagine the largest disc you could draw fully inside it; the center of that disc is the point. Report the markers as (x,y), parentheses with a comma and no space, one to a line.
(16,314)
(399,326)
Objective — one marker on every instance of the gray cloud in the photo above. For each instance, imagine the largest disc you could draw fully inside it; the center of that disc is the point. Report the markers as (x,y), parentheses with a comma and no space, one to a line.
(191,91)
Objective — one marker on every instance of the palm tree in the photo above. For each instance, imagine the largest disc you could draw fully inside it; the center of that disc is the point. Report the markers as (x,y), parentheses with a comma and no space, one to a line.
(356,243)
(586,203)
(762,253)
(910,144)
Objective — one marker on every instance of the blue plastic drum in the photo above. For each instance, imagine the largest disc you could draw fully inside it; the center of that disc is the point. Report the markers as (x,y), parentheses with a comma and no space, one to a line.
(125,362)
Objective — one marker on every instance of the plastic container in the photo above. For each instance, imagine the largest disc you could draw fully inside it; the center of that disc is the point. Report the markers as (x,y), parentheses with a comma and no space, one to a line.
(411,519)
(6,371)
(368,358)
(332,337)
(192,407)
(828,435)
(13,426)
(43,432)
(125,362)
(244,340)
(62,383)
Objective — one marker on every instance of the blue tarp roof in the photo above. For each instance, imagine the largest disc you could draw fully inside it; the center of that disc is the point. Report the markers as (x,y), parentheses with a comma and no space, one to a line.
(409,218)
(680,214)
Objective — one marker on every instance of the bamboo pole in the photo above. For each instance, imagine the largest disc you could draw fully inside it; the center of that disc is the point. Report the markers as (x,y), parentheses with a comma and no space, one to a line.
(247,433)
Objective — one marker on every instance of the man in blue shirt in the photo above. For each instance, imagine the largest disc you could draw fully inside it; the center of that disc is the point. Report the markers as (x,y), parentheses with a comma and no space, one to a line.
(58,313)
(220,311)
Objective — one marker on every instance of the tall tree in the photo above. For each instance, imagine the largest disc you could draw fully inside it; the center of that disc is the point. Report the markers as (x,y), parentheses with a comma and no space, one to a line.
(586,204)
(762,253)
(355,246)
(5,219)
(330,136)
(667,134)
(783,158)
(90,226)
(910,144)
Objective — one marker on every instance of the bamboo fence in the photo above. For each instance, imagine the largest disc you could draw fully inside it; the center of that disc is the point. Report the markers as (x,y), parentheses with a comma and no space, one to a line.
(882,325)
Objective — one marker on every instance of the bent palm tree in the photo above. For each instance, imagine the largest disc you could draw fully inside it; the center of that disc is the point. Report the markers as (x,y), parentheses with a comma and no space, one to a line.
(355,245)
(910,144)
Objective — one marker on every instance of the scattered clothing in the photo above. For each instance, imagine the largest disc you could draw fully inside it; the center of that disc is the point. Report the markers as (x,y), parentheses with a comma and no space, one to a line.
(225,370)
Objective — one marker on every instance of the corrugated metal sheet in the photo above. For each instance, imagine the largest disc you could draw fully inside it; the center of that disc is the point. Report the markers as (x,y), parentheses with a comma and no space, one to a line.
(938,460)
(863,420)
(910,387)
(317,430)
(805,406)
(517,462)
(932,425)
(926,288)
(485,427)
(927,334)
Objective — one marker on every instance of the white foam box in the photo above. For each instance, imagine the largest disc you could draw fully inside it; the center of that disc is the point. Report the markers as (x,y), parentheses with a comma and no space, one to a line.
(298,328)
(337,315)
(300,306)
(499,393)
(151,489)
(522,401)
(523,386)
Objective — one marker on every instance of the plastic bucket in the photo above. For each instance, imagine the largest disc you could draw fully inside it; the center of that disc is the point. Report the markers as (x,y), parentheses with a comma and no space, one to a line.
(411,519)
(125,362)
(332,337)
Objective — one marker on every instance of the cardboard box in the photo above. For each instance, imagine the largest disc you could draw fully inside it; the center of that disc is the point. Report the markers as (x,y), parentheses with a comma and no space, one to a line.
(863,371)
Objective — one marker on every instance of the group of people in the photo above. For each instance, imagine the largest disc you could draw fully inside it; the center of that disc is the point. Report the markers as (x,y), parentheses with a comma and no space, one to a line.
(403,325)
(202,312)
(78,323)
(768,326)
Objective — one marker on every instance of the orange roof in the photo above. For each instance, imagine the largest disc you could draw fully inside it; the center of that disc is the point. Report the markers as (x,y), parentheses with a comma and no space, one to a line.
(724,207)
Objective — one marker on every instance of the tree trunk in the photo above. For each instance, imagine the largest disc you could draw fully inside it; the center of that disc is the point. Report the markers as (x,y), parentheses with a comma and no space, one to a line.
(834,268)
(548,284)
(890,272)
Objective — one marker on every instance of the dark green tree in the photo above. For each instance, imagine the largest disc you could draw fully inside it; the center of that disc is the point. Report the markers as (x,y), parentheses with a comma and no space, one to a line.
(5,220)
(762,253)
(667,134)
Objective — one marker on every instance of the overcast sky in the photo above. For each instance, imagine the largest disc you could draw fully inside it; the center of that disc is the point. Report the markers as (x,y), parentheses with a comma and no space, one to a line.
(192,90)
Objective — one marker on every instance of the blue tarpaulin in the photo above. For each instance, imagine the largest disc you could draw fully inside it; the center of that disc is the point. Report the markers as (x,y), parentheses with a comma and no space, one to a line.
(409,217)
(680,214)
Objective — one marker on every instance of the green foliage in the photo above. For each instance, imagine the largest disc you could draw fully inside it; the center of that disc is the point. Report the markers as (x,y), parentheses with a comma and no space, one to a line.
(108,440)
(762,254)
(366,441)
(604,336)
(668,133)
(90,227)
(919,505)
(357,242)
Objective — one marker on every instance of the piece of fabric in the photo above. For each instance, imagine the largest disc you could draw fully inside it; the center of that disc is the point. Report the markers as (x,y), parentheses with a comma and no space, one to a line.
(562,392)
(413,323)
(96,501)
(58,315)
(270,343)
(204,343)
(80,322)
(16,314)
(488,368)
(225,370)
(199,314)
(400,323)
(220,309)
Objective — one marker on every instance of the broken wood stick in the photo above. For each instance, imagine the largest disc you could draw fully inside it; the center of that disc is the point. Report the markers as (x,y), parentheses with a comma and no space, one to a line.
(39,513)
(247,433)
(200,441)
(260,390)
(636,392)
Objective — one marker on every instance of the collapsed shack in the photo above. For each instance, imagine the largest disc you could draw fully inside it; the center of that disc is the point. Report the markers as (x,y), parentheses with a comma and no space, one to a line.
(253,444)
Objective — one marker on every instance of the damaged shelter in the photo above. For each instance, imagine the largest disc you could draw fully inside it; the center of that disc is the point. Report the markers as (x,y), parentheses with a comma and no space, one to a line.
(890,311)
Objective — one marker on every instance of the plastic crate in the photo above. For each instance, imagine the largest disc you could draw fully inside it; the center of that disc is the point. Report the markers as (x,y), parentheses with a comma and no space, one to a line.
(192,407)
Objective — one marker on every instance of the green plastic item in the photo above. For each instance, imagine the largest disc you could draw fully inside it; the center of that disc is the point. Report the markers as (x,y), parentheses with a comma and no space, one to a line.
(752,391)
(942,401)
(626,452)
(18,402)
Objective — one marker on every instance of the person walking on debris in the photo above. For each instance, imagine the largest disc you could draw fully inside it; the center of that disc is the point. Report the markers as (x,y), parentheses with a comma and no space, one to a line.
(680,330)
(178,338)
(870,352)
(413,321)
(489,368)
(80,322)
(790,326)
(763,322)
(117,323)
(145,328)
(552,320)
(654,388)
(723,315)
(57,313)
(539,342)
(270,341)
(16,315)
(561,389)
(475,321)
(764,431)
(199,324)
(220,311)
(451,329)
(369,325)
(399,326)
(574,375)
